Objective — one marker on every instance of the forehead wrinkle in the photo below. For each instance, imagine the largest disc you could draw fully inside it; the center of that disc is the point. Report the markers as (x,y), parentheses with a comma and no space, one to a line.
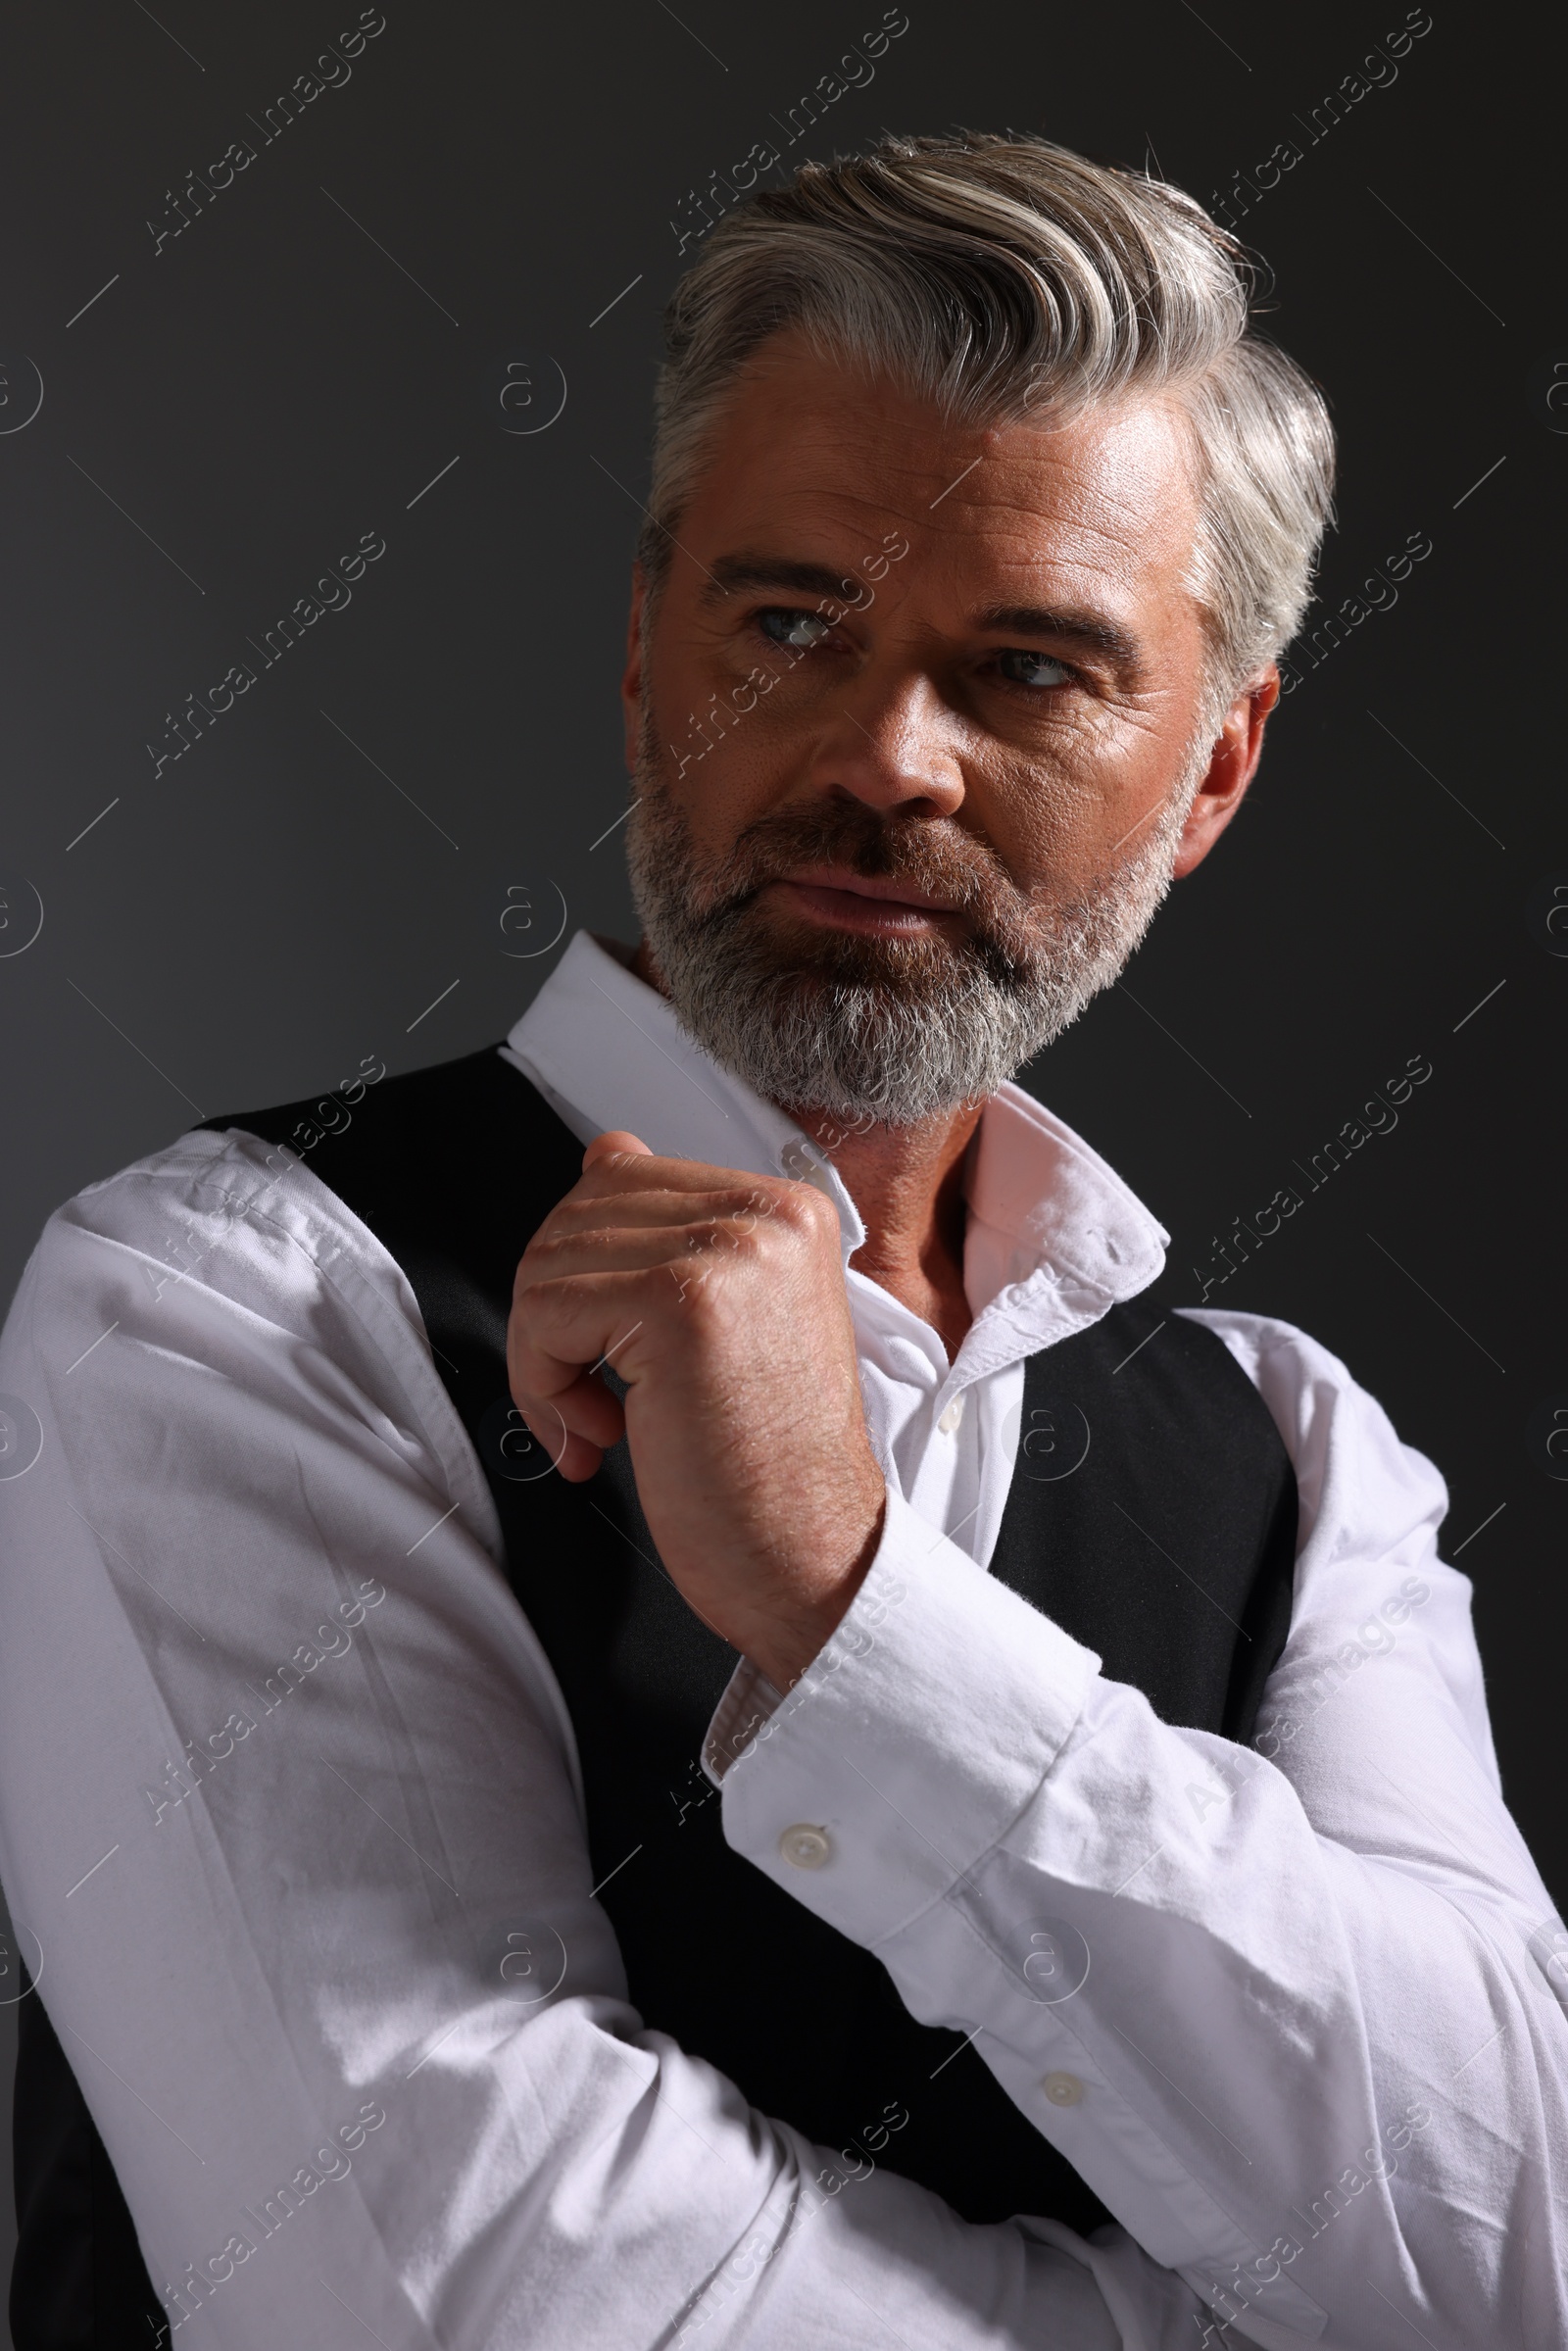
(1092,498)
(1078,566)
(765,509)
(1123,550)
(1101,478)
(851,463)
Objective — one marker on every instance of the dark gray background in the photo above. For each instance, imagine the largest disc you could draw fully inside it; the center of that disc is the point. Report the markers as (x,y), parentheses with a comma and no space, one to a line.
(232,412)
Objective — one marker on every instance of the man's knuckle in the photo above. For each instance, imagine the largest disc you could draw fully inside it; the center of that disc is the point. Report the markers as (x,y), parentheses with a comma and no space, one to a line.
(807,1212)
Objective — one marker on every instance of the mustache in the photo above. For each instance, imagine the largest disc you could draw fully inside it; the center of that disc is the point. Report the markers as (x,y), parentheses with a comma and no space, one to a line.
(944,864)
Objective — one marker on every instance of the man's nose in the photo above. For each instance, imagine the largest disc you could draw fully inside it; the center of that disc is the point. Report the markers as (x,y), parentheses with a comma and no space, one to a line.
(893,743)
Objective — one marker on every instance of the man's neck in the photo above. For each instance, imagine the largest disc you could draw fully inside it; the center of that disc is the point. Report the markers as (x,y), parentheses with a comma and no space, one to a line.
(907,1184)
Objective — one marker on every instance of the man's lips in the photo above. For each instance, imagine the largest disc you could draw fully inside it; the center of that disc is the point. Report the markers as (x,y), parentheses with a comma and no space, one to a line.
(860,901)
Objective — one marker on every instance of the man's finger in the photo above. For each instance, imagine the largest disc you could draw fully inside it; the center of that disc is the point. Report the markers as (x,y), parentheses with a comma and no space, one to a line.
(577,1427)
(560,1328)
(613,1140)
(658,1217)
(617,1145)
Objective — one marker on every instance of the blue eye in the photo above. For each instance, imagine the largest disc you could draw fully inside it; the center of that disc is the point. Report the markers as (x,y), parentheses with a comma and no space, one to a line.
(800,629)
(1033,668)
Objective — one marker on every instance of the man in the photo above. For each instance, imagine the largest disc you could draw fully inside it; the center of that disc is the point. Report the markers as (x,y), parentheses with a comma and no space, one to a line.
(723,1738)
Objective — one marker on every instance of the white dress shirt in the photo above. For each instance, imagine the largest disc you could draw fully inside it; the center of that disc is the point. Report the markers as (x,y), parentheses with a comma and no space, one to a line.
(291,1825)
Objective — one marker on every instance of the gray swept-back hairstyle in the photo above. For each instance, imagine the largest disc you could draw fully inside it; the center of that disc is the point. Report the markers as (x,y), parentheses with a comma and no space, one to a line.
(1001,276)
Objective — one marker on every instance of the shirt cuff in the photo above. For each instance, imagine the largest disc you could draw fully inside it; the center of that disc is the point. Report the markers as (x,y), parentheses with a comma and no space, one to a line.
(911,1741)
(749,1700)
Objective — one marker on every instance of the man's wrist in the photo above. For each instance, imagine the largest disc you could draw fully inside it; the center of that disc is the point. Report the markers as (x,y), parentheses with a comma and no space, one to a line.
(786,1640)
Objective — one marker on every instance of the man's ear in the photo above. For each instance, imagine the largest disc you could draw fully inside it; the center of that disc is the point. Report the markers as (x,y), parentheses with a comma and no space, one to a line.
(631,683)
(1238,748)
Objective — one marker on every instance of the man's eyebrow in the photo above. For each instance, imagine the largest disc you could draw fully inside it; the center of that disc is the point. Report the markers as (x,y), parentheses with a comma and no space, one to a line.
(734,573)
(730,573)
(1078,628)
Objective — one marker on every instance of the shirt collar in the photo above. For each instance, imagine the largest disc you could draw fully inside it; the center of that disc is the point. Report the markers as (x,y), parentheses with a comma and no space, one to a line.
(1055,1235)
(606,1050)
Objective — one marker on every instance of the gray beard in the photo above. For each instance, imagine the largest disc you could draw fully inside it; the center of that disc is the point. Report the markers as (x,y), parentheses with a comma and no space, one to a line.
(881,1031)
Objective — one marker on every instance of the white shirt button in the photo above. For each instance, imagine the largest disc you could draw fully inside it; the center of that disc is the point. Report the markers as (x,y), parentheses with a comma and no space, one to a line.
(805,1847)
(1063,2090)
(952,1417)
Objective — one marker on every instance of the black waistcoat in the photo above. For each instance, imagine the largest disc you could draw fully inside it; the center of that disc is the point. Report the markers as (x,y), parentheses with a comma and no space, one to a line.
(1168,1547)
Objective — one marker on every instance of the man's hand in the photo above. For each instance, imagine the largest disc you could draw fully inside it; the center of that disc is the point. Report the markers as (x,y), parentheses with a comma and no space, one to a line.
(720,1300)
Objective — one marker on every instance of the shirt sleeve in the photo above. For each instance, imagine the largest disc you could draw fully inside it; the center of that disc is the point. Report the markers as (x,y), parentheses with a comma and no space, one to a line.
(1295,2012)
(291,1829)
